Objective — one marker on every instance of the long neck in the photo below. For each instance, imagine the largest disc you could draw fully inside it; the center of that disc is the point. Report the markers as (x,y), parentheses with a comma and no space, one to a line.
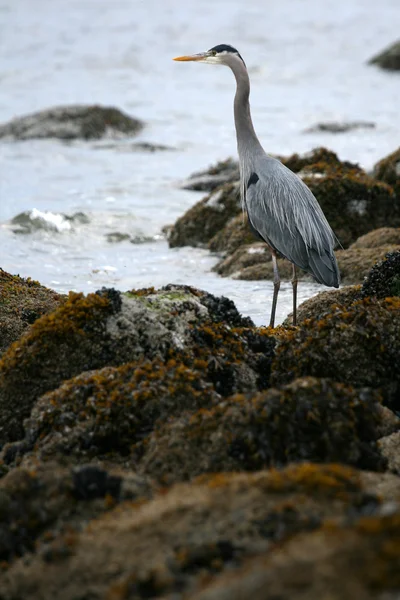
(245,134)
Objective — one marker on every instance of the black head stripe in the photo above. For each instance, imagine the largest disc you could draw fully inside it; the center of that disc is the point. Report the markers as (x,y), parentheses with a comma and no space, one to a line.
(225,48)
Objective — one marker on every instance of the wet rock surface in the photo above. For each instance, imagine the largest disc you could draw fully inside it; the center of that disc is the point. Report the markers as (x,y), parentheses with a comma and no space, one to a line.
(85,122)
(156,444)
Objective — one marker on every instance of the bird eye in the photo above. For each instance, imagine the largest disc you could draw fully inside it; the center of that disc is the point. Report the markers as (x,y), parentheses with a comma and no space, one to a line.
(213,53)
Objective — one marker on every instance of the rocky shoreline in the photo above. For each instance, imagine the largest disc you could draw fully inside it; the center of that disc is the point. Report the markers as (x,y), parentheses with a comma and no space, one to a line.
(156,444)
(363,210)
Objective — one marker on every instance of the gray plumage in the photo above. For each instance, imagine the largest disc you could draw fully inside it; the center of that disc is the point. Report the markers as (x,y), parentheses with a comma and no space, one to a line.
(281,209)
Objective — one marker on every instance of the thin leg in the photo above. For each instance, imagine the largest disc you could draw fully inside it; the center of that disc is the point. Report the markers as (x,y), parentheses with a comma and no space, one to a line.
(294,285)
(277,285)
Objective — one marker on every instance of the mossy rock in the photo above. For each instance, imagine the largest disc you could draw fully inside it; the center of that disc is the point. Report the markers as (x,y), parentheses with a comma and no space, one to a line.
(206,218)
(184,536)
(388,170)
(71,122)
(22,301)
(104,413)
(384,236)
(320,305)
(309,419)
(358,345)
(384,278)
(388,59)
(39,503)
(107,329)
(236,233)
(320,160)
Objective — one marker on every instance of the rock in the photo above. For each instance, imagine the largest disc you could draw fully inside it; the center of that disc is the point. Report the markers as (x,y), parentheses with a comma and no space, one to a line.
(388,170)
(385,236)
(309,419)
(252,262)
(384,278)
(389,446)
(104,413)
(22,301)
(388,59)
(170,545)
(42,503)
(322,304)
(110,329)
(353,202)
(335,127)
(358,345)
(226,171)
(135,147)
(320,159)
(84,122)
(235,234)
(338,563)
(34,220)
(356,263)
(206,218)
(249,255)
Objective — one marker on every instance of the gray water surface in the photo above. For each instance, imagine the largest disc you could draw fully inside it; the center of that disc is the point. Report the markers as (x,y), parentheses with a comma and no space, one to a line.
(307,62)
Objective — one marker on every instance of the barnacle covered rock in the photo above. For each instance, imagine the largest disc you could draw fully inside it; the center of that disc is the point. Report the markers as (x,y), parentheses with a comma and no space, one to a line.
(358,345)
(186,535)
(110,329)
(22,301)
(384,278)
(309,419)
(104,413)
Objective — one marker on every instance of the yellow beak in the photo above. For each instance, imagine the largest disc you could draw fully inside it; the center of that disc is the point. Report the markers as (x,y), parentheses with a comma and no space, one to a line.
(192,57)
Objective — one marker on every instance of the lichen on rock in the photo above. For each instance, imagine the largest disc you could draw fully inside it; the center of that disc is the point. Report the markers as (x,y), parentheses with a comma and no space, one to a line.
(309,419)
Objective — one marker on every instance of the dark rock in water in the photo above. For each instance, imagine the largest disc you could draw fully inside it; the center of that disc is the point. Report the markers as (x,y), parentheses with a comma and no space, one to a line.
(336,529)
(206,218)
(358,345)
(85,122)
(226,171)
(36,220)
(107,329)
(334,127)
(22,301)
(384,278)
(388,59)
(135,147)
(309,419)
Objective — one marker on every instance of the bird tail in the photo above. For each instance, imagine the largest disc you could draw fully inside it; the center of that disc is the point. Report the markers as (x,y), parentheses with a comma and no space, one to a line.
(324,268)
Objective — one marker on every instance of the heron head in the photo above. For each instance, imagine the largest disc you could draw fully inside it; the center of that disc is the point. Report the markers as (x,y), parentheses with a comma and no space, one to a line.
(223,54)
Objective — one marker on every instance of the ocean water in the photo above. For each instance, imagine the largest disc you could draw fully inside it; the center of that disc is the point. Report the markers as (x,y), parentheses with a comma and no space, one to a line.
(307,63)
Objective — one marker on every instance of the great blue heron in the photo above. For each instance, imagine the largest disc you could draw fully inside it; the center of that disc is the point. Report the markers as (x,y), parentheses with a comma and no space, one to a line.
(281,209)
